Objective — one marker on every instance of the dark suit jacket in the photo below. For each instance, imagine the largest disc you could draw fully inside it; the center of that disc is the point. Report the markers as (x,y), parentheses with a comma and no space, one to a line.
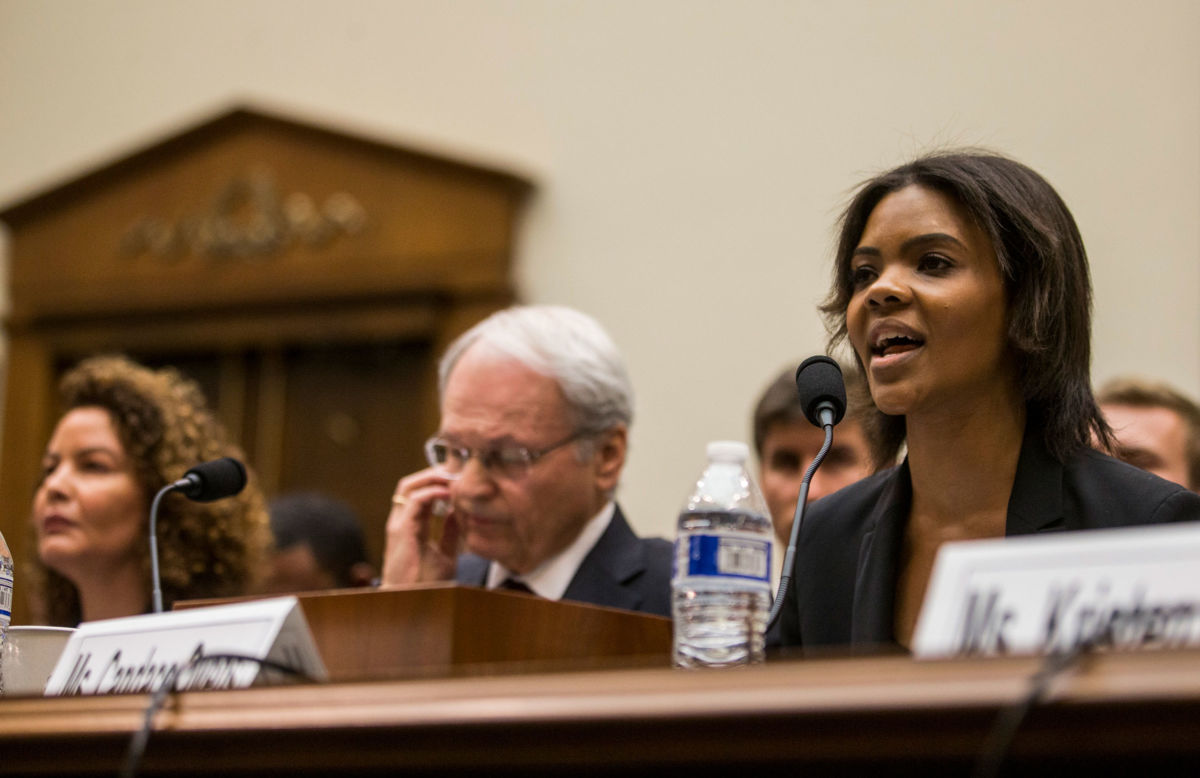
(621,571)
(847,557)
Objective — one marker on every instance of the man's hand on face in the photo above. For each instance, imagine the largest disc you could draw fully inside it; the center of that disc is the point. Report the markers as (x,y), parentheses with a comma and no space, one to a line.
(423,536)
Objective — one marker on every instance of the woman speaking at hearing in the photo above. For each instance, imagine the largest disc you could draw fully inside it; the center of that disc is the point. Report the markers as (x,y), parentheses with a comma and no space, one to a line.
(962,284)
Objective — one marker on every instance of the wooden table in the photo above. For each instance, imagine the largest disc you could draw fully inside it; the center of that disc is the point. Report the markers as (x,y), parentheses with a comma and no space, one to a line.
(879,716)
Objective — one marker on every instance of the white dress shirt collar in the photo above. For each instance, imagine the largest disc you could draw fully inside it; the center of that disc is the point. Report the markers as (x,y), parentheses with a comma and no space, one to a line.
(551,578)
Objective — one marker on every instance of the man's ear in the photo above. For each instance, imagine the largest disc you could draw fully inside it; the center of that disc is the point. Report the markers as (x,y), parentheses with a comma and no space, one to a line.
(610,456)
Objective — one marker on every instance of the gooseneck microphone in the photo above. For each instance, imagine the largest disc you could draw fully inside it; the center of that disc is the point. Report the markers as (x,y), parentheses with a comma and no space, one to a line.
(823,397)
(205,482)
(213,480)
(822,390)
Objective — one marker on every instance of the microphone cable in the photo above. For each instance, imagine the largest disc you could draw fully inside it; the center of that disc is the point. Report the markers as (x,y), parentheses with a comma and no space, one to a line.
(822,394)
(1010,717)
(137,744)
(789,557)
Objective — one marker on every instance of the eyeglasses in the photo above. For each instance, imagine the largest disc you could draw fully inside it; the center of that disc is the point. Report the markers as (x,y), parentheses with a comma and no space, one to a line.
(511,462)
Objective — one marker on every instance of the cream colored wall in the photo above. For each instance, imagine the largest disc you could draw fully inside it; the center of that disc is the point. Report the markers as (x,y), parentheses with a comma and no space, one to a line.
(690,155)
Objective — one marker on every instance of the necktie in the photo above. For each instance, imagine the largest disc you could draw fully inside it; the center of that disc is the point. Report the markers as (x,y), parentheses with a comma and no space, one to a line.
(513,585)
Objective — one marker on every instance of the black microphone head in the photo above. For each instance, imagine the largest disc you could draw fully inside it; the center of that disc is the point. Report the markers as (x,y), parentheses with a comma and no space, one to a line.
(214,480)
(819,382)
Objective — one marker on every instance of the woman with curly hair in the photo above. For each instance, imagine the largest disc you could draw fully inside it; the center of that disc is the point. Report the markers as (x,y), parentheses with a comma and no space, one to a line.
(128,431)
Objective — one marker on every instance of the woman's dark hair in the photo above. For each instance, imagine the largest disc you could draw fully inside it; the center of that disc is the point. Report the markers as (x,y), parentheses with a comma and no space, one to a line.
(1045,270)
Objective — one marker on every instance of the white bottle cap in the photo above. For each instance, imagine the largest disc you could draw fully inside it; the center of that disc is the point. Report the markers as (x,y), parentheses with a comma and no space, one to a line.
(728,451)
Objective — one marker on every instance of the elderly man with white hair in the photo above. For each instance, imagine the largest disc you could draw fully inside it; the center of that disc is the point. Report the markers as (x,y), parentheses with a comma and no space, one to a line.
(535,412)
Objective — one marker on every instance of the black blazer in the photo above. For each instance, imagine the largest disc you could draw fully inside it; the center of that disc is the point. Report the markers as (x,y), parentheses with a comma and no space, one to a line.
(621,571)
(847,557)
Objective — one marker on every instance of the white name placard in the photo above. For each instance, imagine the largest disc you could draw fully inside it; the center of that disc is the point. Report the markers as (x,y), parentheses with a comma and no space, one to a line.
(1120,588)
(139,653)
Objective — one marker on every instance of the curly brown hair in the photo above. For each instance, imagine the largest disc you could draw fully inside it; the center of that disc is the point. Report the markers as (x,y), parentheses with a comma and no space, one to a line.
(207,549)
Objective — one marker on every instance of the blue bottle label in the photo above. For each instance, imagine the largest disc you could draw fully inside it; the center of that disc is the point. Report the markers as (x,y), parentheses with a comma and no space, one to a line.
(6,594)
(726,555)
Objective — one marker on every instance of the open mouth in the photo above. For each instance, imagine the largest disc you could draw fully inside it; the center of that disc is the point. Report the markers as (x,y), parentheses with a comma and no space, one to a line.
(895,344)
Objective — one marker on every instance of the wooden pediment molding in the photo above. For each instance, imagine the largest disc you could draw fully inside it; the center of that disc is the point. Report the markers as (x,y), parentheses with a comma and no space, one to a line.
(251,208)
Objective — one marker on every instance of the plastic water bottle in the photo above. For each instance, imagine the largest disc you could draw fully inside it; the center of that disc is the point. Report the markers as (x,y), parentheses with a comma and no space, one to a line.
(721,582)
(6,587)
(6,597)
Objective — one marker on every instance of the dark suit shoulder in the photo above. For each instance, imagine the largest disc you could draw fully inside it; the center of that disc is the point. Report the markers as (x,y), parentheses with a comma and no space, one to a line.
(818,605)
(844,513)
(625,571)
(655,580)
(658,553)
(651,579)
(1106,492)
(471,570)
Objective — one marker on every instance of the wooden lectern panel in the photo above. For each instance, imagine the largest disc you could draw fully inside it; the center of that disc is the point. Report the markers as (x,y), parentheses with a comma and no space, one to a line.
(441,630)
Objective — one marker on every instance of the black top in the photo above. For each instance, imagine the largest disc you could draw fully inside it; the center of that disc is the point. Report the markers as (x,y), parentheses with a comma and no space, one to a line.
(847,557)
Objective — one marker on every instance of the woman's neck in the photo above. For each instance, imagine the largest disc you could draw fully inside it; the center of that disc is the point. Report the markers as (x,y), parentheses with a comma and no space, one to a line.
(112,593)
(963,462)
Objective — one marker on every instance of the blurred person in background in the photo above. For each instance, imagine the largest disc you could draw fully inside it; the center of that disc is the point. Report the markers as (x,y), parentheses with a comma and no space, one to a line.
(126,432)
(1156,428)
(319,544)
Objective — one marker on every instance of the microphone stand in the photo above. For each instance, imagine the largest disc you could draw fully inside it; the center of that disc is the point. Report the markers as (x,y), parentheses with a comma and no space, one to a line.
(205,482)
(156,595)
(825,412)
